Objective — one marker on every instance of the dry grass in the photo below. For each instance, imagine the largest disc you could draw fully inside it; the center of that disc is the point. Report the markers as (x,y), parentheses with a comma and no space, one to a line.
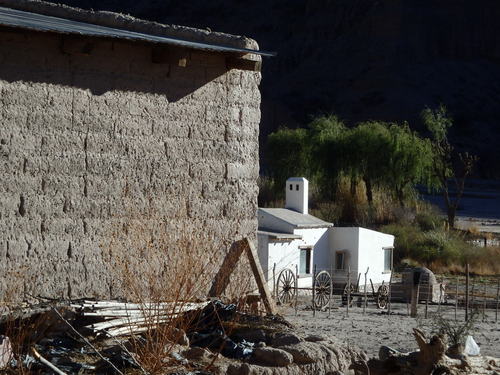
(153,260)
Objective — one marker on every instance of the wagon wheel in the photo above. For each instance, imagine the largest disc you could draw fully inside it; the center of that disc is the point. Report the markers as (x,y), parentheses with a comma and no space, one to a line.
(382,297)
(344,294)
(322,286)
(285,286)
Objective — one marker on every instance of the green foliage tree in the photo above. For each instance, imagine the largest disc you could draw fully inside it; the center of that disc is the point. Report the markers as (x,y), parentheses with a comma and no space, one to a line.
(448,164)
(288,154)
(411,159)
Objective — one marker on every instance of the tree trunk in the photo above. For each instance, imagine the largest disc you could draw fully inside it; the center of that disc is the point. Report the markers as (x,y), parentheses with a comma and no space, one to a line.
(369,193)
(353,187)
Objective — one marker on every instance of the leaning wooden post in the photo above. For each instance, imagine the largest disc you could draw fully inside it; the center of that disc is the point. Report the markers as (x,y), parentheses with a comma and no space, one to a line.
(415,291)
(366,297)
(456,299)
(467,292)
(314,290)
(498,300)
(348,289)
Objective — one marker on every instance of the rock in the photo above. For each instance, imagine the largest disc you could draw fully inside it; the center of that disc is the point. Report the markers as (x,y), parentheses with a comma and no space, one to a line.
(272,357)
(245,369)
(260,344)
(196,353)
(314,338)
(285,338)
(305,352)
(5,351)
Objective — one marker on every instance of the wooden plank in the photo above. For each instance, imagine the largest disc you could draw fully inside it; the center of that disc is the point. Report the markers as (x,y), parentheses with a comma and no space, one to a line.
(259,276)
(221,280)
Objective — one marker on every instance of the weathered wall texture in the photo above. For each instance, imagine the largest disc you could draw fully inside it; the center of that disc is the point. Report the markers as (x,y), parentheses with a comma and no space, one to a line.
(91,141)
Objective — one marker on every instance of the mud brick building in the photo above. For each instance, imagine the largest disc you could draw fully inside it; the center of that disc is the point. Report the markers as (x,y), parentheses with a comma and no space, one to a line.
(100,112)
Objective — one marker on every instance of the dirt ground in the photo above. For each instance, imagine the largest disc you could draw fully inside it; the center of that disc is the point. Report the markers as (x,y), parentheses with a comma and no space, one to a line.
(375,328)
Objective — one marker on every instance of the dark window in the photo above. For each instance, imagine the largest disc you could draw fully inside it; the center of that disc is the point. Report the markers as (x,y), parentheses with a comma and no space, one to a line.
(297,187)
(305,261)
(291,187)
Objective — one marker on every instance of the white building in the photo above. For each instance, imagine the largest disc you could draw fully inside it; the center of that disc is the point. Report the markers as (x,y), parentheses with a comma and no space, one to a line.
(291,238)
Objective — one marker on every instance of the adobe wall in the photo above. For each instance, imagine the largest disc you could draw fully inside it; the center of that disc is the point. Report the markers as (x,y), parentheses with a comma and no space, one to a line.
(96,135)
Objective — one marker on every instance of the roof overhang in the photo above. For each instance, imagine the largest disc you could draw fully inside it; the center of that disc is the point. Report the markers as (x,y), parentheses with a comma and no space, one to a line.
(44,23)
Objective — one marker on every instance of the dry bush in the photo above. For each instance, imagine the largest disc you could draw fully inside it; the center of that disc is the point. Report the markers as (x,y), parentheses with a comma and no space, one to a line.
(152,261)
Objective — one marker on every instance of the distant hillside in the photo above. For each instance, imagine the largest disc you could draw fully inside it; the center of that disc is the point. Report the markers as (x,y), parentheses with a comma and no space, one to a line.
(362,59)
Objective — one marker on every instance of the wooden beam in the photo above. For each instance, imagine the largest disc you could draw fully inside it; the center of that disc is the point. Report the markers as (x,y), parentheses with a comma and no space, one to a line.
(243,64)
(221,280)
(264,291)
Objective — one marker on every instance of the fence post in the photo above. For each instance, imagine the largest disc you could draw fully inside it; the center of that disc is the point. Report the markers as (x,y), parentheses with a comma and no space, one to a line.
(441,287)
(274,280)
(331,291)
(484,301)
(467,292)
(456,299)
(348,289)
(296,287)
(427,299)
(389,296)
(473,297)
(498,300)
(365,298)
(314,290)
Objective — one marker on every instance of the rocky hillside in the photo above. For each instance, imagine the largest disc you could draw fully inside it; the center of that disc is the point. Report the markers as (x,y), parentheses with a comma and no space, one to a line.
(362,59)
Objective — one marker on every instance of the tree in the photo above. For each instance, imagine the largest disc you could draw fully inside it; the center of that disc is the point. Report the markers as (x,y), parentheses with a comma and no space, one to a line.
(449,164)
(288,154)
(366,154)
(411,161)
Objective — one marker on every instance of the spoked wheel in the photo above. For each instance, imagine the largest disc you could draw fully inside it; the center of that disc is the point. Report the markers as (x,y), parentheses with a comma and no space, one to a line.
(344,294)
(285,286)
(322,287)
(382,298)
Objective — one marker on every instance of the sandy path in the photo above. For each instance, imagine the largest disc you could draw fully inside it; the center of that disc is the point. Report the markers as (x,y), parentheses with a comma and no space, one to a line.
(374,329)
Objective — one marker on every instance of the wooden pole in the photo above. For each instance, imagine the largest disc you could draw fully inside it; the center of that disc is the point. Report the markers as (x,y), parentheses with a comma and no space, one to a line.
(473,298)
(331,291)
(498,300)
(427,299)
(415,291)
(467,292)
(314,290)
(441,287)
(484,301)
(389,296)
(348,289)
(366,297)
(296,287)
(456,299)
(274,280)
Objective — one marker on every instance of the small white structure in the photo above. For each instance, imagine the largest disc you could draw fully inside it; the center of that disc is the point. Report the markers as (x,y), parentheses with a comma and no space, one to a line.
(291,238)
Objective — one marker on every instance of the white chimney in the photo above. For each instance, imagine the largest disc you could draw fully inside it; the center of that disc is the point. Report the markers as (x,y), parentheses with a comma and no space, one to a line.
(297,194)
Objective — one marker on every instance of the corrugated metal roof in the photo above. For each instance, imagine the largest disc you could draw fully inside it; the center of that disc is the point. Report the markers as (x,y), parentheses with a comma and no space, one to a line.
(40,22)
(296,218)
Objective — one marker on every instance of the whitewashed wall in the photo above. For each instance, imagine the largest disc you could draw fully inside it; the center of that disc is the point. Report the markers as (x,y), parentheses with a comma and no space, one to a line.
(371,254)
